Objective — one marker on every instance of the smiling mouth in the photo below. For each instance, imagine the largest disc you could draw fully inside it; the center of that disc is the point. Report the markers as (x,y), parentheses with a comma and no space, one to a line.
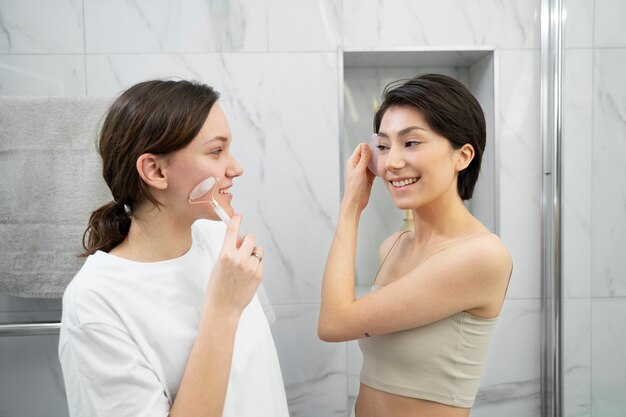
(405,182)
(224,190)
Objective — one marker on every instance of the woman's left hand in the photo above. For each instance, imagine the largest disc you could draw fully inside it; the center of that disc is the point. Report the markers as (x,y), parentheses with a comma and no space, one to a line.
(359,179)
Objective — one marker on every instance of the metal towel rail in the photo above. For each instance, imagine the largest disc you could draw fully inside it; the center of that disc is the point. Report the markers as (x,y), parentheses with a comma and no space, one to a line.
(29,329)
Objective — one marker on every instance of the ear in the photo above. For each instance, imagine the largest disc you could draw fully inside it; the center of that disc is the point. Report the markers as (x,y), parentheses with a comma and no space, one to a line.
(150,168)
(465,155)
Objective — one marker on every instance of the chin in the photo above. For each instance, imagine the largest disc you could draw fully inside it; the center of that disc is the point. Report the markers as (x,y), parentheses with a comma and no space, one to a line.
(406,205)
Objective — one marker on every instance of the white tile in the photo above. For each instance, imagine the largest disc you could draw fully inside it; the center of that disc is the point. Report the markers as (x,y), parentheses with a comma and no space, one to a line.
(411,23)
(608,357)
(511,381)
(576,356)
(304,25)
(39,26)
(42,75)
(519,156)
(287,130)
(314,372)
(609,17)
(576,166)
(109,75)
(150,26)
(578,24)
(609,173)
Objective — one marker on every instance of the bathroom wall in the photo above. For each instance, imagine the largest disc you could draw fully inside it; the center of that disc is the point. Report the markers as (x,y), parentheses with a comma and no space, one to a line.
(594,208)
(276,65)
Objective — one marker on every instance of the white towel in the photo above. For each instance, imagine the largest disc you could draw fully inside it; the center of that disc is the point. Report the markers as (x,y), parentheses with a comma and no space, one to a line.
(50,181)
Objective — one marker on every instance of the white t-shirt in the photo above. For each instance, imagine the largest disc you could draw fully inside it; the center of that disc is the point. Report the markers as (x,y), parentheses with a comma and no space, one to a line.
(128,329)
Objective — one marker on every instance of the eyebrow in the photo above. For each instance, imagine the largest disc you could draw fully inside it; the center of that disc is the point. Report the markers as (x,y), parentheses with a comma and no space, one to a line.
(222,138)
(403,131)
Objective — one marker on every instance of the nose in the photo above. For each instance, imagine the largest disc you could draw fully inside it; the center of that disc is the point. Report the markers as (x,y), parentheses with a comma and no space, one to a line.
(233,169)
(395,159)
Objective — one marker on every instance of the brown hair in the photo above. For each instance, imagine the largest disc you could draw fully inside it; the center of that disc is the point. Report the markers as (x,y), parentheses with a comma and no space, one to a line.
(450,110)
(157,117)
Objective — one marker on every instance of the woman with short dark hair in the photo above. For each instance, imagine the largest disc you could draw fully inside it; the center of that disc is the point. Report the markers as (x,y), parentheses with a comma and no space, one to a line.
(425,327)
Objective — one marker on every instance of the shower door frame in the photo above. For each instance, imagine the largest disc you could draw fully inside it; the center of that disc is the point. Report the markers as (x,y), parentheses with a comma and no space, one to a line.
(551,121)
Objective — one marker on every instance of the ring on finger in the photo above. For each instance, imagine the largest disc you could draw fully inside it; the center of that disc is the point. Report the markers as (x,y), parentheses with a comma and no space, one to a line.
(257,255)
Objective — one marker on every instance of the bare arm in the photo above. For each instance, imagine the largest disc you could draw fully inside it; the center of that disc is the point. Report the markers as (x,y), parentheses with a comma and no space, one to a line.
(233,283)
(469,276)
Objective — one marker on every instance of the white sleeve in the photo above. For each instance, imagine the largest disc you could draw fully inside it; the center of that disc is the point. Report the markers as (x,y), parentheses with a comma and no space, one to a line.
(106,375)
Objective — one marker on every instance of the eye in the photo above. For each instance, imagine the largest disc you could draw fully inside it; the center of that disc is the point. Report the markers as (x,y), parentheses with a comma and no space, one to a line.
(382,147)
(216,151)
(411,143)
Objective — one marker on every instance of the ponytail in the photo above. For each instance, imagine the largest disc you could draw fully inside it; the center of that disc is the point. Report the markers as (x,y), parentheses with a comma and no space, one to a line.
(158,117)
(108,227)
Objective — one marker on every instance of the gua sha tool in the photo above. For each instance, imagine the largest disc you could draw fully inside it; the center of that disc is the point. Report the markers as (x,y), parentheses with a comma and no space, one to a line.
(373,163)
(195,195)
(201,190)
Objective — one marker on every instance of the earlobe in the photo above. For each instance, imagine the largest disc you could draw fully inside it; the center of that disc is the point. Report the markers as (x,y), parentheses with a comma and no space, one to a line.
(466,155)
(151,171)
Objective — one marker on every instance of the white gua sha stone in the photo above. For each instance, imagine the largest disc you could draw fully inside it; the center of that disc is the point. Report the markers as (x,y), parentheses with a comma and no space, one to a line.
(201,189)
(373,163)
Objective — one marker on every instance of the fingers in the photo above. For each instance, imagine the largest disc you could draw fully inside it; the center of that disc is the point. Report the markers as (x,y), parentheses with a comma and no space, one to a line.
(257,258)
(360,155)
(258,253)
(251,254)
(232,232)
(245,250)
(366,155)
(360,158)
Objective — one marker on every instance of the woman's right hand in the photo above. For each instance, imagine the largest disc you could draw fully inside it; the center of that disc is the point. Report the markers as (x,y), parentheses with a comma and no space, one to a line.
(359,179)
(237,273)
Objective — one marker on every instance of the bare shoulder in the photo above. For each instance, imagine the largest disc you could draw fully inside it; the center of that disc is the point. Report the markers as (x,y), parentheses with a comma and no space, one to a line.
(487,255)
(387,244)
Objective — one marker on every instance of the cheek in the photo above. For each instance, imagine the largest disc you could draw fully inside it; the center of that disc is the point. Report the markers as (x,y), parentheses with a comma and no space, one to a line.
(381,160)
(190,172)
(415,159)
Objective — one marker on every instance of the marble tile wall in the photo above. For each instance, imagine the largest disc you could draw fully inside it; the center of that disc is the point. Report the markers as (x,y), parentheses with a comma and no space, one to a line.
(594,208)
(276,64)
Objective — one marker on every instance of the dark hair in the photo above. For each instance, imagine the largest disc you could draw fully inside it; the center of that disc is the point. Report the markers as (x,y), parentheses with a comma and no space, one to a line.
(157,117)
(449,109)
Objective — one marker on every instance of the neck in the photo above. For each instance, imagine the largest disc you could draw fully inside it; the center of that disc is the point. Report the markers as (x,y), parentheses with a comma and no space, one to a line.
(444,219)
(155,235)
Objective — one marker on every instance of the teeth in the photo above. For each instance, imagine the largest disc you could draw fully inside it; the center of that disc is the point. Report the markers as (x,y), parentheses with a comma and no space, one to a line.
(402,183)
(225,191)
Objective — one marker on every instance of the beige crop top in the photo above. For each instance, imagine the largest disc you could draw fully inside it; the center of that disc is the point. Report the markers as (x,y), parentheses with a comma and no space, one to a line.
(442,361)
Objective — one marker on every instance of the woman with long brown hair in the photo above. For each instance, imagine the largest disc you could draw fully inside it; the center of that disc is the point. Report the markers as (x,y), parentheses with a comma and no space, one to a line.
(163,317)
